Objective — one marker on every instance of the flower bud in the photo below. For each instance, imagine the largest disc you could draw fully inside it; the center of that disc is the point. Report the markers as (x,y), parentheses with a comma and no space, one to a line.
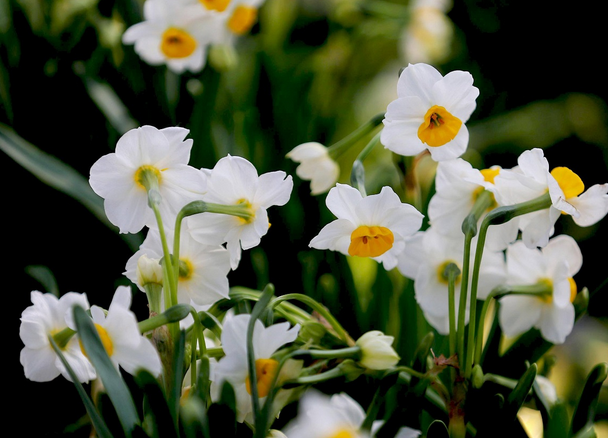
(149,271)
(376,351)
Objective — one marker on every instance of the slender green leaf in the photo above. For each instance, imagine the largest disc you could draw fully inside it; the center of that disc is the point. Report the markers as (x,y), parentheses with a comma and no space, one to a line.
(584,414)
(110,105)
(519,394)
(158,414)
(45,277)
(58,175)
(100,426)
(114,385)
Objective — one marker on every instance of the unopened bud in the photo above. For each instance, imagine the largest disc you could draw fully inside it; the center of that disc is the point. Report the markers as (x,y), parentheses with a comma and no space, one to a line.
(376,351)
(149,271)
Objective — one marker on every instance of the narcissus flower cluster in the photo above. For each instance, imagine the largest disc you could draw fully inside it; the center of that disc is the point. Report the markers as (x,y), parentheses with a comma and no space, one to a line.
(179,33)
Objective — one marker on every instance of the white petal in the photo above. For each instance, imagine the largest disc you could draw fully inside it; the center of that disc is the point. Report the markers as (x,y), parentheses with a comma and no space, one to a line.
(518,314)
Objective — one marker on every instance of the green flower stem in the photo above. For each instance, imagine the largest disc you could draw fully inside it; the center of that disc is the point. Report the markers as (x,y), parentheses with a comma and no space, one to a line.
(451,272)
(338,148)
(198,338)
(469,228)
(287,310)
(63,337)
(171,315)
(504,381)
(340,353)
(322,310)
(169,274)
(357,175)
(314,379)
(540,289)
(497,216)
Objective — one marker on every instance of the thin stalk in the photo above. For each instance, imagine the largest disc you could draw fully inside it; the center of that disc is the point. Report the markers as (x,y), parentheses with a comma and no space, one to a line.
(319,308)
(497,216)
(338,148)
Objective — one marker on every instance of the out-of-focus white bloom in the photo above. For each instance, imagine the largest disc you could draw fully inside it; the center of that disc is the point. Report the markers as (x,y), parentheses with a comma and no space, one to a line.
(531,178)
(235,181)
(203,269)
(429,32)
(552,266)
(121,338)
(430,113)
(424,260)
(48,316)
(457,187)
(239,16)
(547,388)
(233,366)
(175,33)
(316,166)
(338,415)
(373,226)
(141,154)
(377,352)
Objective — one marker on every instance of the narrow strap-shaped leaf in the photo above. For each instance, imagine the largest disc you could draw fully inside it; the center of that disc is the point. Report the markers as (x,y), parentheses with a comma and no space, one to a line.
(175,386)
(517,397)
(114,385)
(584,414)
(100,426)
(58,175)
(159,414)
(45,277)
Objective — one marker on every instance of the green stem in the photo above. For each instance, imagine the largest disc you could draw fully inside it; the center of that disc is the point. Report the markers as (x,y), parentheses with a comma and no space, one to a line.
(314,379)
(320,309)
(497,216)
(357,176)
(338,148)
(452,272)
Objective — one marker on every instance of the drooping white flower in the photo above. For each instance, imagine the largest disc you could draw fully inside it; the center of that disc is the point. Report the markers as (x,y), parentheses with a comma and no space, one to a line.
(235,181)
(425,258)
(316,166)
(552,266)
(339,415)
(430,113)
(377,352)
(121,338)
(531,178)
(233,366)
(374,226)
(175,33)
(203,269)
(46,317)
(142,153)
(457,187)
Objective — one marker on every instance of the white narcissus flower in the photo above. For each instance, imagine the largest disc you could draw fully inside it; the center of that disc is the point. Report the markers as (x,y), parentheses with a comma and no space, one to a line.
(373,226)
(430,113)
(531,178)
(48,316)
(377,352)
(339,415)
(424,260)
(203,269)
(233,367)
(239,16)
(235,181)
(457,187)
(316,166)
(552,266)
(174,33)
(144,153)
(121,338)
